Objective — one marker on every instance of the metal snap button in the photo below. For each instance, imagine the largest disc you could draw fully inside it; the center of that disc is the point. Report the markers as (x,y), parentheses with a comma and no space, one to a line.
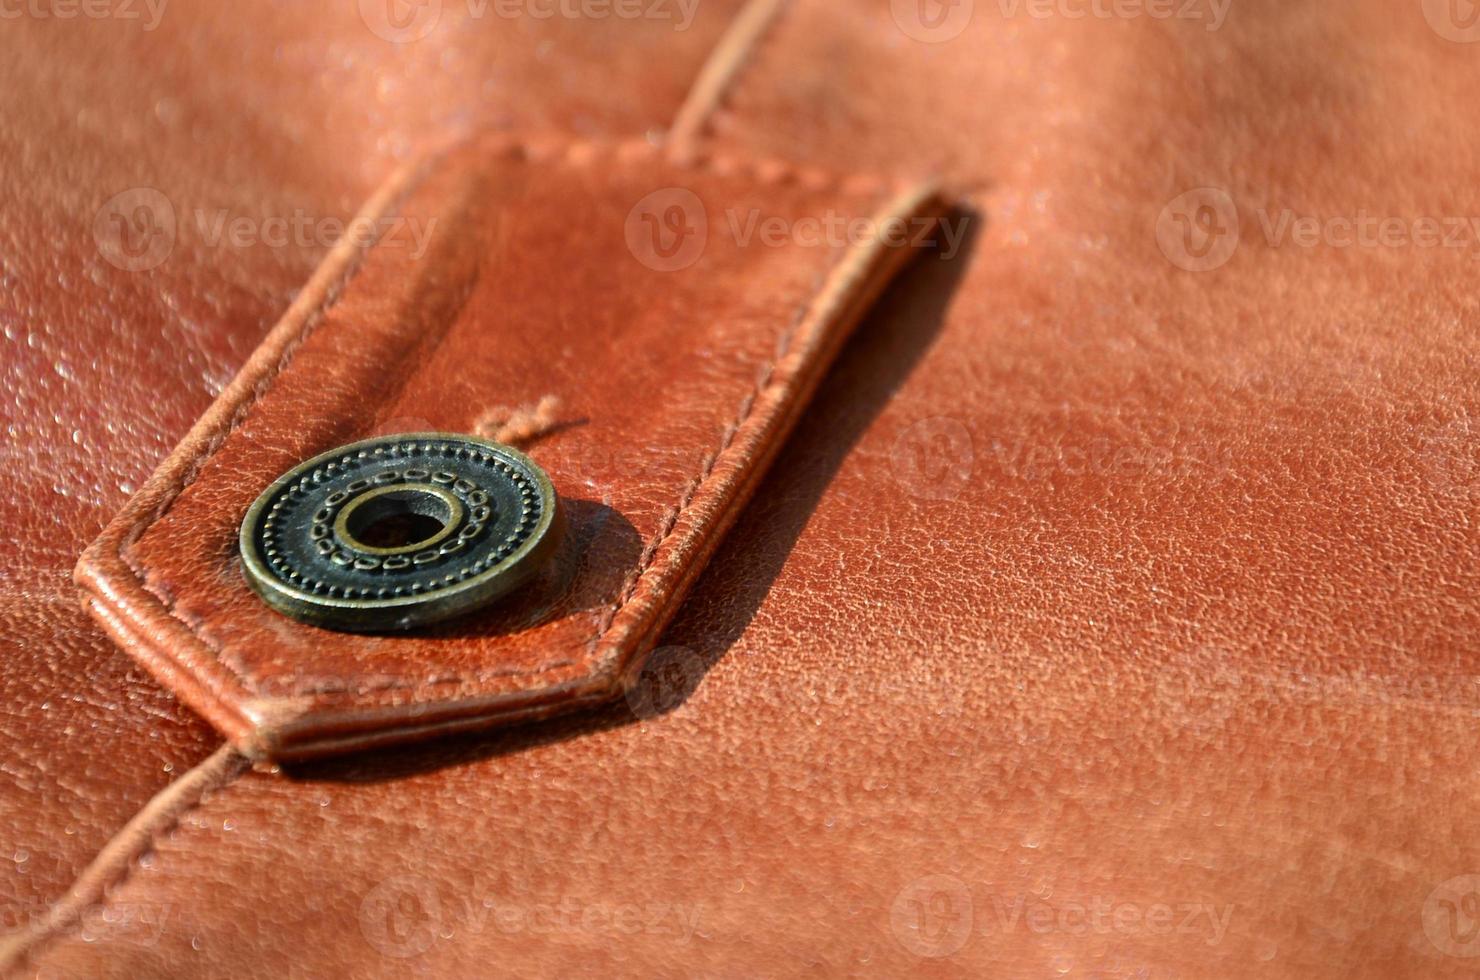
(399,531)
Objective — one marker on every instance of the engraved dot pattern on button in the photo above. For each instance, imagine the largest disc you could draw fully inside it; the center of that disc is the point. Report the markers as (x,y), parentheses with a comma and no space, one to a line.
(399,531)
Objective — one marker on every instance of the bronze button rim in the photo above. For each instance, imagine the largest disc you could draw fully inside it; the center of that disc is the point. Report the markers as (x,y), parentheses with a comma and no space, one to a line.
(505,526)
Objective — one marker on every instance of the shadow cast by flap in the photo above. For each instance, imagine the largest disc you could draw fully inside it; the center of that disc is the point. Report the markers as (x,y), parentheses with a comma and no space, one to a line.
(597,546)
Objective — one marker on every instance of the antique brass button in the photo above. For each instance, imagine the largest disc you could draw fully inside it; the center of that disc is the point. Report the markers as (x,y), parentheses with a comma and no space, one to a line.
(399,531)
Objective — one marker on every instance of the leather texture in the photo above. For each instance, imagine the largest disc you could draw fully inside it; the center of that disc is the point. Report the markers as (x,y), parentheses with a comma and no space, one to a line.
(506,272)
(1110,612)
(262,111)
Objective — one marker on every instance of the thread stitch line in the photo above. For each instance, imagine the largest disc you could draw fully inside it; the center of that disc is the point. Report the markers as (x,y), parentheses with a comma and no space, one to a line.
(604,621)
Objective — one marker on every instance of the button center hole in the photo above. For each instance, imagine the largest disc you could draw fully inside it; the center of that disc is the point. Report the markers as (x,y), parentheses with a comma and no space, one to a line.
(399,519)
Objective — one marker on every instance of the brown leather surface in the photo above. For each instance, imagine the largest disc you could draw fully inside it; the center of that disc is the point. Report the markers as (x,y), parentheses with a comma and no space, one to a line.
(507,272)
(255,111)
(1173,607)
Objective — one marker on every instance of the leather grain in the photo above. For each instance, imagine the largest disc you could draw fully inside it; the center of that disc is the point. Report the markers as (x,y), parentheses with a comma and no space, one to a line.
(536,277)
(285,111)
(1089,581)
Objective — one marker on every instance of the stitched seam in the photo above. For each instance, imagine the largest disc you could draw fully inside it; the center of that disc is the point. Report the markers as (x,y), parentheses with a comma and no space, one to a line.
(605,621)
(730,105)
(686,133)
(311,322)
(661,537)
(665,532)
(670,523)
(726,102)
(108,889)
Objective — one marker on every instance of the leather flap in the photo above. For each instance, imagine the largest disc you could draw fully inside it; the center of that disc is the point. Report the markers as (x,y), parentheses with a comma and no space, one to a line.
(678,314)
